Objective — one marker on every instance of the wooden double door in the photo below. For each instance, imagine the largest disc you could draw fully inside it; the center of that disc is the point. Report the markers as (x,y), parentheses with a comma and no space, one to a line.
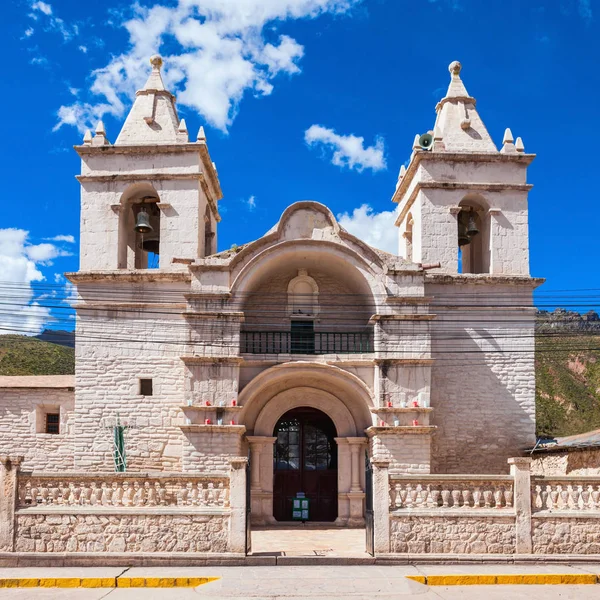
(305,460)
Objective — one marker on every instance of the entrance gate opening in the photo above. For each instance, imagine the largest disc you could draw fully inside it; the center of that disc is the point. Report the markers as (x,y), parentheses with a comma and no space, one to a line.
(305,460)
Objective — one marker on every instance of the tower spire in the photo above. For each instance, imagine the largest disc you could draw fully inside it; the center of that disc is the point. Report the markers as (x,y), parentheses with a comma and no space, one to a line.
(153,117)
(458,121)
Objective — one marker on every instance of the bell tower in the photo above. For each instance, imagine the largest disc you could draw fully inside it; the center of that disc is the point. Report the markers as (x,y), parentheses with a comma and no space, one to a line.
(462,203)
(149,200)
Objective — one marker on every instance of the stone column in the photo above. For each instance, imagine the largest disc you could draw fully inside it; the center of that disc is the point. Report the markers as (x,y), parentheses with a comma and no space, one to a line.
(381,506)
(237,502)
(256,444)
(356,445)
(520,470)
(9,473)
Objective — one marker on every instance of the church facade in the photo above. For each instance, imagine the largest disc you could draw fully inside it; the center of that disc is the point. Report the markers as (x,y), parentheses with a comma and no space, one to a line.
(306,350)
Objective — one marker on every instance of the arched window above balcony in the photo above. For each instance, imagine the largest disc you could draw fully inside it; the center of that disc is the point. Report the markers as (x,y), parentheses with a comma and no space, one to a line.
(303,296)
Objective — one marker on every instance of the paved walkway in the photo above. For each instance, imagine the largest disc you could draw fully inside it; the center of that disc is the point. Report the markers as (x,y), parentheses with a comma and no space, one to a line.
(306,540)
(319,582)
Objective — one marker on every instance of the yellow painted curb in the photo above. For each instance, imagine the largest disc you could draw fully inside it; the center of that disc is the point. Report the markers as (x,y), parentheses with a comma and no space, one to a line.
(105,582)
(533,579)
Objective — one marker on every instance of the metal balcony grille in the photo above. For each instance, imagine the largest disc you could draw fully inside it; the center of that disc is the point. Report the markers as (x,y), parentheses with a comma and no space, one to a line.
(300,342)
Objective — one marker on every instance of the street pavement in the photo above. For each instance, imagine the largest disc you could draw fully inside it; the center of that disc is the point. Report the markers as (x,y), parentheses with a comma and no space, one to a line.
(308,582)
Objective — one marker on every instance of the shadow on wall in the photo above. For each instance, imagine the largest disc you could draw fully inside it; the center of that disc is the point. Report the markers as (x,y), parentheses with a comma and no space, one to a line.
(483,401)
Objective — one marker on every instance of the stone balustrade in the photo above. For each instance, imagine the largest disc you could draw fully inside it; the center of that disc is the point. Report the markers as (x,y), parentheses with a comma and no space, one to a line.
(114,490)
(569,493)
(433,492)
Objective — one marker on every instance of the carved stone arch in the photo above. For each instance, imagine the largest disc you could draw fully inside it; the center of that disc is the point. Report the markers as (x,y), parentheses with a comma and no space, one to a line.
(134,248)
(476,256)
(297,397)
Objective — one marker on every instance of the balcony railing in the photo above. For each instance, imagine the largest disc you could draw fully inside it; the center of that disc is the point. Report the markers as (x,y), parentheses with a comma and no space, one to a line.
(318,342)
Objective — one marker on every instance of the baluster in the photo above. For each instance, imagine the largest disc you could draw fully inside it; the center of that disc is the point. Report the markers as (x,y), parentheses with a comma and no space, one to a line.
(104,498)
(545,496)
(392,495)
(487,498)
(409,496)
(445,498)
(22,492)
(455,498)
(138,495)
(477,497)
(86,493)
(585,497)
(595,496)
(564,497)
(118,493)
(498,498)
(211,495)
(403,496)
(508,497)
(466,496)
(76,493)
(196,494)
(54,493)
(150,494)
(536,496)
(92,493)
(574,494)
(554,497)
(219,494)
(162,494)
(33,492)
(43,494)
(128,493)
(435,497)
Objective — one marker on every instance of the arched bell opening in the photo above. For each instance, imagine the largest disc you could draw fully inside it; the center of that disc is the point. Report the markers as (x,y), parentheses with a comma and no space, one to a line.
(473,229)
(139,228)
(408,238)
(305,464)
(209,233)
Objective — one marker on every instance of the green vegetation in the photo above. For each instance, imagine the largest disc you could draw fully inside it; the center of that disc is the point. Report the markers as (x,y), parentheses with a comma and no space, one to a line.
(23,355)
(568,383)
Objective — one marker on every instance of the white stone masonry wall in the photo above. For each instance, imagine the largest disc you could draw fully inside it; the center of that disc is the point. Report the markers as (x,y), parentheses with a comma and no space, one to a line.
(22,421)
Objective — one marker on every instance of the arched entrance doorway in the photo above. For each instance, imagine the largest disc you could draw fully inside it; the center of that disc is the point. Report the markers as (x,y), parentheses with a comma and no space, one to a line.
(305,460)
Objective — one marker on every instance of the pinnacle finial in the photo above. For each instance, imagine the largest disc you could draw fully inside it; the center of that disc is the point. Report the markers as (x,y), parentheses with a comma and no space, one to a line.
(87,137)
(519,146)
(201,137)
(454,67)
(156,61)
(100,128)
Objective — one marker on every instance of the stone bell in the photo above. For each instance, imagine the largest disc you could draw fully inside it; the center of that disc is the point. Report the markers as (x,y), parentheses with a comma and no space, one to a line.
(472,230)
(463,238)
(142,222)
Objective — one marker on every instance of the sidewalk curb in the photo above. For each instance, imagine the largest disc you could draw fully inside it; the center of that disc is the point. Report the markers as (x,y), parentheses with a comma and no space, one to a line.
(532,579)
(105,582)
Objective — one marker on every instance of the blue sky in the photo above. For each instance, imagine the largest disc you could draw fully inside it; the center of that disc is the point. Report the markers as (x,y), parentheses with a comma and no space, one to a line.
(272,69)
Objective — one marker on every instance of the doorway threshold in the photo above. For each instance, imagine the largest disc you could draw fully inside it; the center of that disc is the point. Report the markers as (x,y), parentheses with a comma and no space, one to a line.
(314,540)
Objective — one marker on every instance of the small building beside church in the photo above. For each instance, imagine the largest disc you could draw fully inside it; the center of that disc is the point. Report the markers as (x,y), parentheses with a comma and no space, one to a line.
(306,350)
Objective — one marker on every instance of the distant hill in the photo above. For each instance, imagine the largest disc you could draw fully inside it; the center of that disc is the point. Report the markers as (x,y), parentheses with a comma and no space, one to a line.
(24,355)
(58,336)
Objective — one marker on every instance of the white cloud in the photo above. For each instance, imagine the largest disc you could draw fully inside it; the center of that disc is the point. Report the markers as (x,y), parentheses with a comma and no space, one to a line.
(348,150)
(376,229)
(20,313)
(251,202)
(42,7)
(83,49)
(39,60)
(44,254)
(52,23)
(28,32)
(221,50)
(61,238)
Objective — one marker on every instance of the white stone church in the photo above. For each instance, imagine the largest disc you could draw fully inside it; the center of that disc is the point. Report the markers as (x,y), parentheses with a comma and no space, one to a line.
(305,350)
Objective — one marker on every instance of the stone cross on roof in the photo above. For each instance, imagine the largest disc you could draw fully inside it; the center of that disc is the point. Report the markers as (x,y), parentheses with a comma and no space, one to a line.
(153,117)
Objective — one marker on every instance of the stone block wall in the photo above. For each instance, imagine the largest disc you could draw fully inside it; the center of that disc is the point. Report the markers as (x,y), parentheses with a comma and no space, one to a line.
(22,421)
(483,377)
(453,534)
(553,534)
(142,533)
(568,462)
